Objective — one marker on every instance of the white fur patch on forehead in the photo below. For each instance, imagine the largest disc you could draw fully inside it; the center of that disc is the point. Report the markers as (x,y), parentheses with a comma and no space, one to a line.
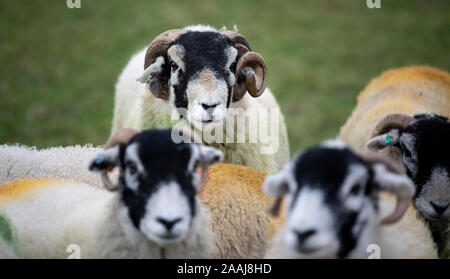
(334,143)
(176,53)
(357,175)
(200,28)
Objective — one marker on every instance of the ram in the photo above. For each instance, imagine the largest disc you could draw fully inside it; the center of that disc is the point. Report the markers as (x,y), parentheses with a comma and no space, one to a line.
(332,207)
(199,77)
(404,114)
(154,210)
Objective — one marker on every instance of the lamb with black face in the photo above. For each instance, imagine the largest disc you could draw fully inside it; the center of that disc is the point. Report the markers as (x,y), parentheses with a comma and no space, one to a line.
(332,201)
(158,182)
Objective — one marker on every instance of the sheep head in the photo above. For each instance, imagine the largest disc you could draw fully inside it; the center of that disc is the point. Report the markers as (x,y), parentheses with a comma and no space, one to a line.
(422,141)
(332,200)
(158,180)
(202,70)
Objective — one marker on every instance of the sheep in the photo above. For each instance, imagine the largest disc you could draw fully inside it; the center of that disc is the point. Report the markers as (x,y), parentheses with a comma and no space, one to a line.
(404,115)
(152,212)
(422,140)
(332,208)
(67,163)
(198,76)
(409,90)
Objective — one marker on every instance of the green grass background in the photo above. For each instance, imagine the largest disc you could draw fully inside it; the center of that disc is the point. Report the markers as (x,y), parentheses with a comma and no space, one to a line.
(58,66)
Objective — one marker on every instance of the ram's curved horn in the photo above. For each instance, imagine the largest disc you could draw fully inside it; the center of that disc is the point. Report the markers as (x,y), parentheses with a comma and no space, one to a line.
(250,66)
(196,139)
(253,68)
(159,45)
(402,191)
(157,83)
(374,157)
(392,121)
(107,182)
(236,38)
(120,137)
(274,210)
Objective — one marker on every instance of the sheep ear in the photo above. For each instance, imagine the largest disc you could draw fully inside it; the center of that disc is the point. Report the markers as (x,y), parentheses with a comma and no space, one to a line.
(379,142)
(396,183)
(105,160)
(209,155)
(206,156)
(275,186)
(152,76)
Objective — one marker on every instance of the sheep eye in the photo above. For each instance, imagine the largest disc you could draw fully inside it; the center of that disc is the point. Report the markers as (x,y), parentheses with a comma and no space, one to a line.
(355,190)
(132,168)
(407,152)
(174,66)
(233,67)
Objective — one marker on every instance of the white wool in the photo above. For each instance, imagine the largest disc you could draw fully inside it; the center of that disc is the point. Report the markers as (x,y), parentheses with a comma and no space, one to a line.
(54,217)
(200,28)
(69,162)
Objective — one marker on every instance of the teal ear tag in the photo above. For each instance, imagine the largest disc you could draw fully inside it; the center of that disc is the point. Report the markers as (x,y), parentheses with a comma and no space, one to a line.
(388,140)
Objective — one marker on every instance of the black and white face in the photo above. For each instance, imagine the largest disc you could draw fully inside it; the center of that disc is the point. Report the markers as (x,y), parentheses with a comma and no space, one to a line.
(202,71)
(202,77)
(426,157)
(425,154)
(331,202)
(158,183)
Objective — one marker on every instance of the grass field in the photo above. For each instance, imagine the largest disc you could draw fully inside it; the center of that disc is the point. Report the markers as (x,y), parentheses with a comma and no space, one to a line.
(59,65)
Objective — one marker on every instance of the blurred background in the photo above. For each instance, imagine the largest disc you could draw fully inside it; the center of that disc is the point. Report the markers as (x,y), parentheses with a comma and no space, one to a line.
(58,66)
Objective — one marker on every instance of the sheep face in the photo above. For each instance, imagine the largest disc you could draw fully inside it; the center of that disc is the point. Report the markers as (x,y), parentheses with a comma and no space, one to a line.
(331,202)
(201,71)
(425,154)
(158,182)
(202,66)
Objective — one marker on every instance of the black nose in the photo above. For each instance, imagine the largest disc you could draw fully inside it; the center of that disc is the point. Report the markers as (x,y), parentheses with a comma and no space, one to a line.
(168,223)
(303,235)
(206,106)
(439,208)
